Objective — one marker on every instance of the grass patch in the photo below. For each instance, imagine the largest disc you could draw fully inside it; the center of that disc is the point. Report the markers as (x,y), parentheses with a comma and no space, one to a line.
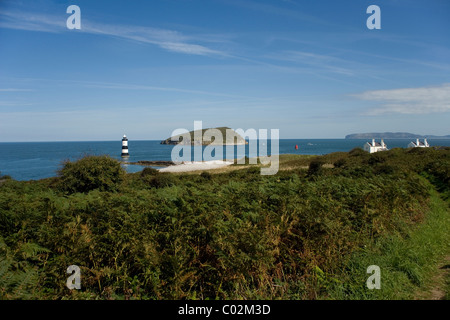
(408,261)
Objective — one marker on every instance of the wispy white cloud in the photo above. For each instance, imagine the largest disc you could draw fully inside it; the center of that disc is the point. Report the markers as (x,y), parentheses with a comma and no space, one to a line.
(422,100)
(169,40)
(30,22)
(14,90)
(292,11)
(14,104)
(320,62)
(51,83)
(120,86)
(427,63)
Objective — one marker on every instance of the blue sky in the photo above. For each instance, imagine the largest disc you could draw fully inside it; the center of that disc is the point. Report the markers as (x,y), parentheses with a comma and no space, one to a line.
(311,69)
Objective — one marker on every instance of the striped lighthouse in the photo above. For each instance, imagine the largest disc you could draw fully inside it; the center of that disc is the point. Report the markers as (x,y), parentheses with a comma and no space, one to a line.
(125,146)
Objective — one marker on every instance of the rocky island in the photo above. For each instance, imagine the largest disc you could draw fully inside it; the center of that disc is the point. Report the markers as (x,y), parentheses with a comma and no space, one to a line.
(229,137)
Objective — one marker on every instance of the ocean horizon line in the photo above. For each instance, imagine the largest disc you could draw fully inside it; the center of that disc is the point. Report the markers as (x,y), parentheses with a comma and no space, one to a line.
(52,141)
(118,140)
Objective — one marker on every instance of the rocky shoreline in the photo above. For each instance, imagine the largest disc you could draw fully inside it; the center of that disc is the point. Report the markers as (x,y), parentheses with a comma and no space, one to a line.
(151,163)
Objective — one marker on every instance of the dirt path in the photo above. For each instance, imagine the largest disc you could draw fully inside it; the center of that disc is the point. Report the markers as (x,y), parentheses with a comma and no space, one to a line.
(439,284)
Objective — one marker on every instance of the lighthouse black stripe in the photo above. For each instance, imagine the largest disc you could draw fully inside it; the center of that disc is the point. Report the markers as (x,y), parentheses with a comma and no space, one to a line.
(125,146)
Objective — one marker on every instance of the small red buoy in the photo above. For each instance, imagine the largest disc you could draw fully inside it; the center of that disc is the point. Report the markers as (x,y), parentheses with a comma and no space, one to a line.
(296,147)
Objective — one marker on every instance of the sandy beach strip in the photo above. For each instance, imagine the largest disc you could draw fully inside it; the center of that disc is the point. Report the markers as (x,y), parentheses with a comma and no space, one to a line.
(196,166)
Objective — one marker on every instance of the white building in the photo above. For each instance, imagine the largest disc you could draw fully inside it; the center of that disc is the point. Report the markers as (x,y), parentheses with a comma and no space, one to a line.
(373,146)
(418,144)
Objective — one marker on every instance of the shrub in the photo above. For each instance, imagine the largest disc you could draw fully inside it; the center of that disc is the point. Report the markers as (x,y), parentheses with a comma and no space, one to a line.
(340,163)
(90,173)
(254,170)
(233,173)
(439,174)
(357,171)
(206,175)
(378,157)
(417,150)
(5,177)
(357,152)
(384,169)
(149,172)
(162,180)
(315,166)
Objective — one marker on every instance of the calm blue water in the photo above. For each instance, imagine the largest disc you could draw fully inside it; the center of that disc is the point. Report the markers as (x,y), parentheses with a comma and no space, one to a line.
(38,160)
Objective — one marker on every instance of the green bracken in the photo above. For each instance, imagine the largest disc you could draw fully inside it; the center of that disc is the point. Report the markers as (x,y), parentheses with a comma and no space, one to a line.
(305,233)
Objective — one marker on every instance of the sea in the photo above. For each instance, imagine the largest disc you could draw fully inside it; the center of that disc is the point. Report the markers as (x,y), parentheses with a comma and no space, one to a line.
(39,160)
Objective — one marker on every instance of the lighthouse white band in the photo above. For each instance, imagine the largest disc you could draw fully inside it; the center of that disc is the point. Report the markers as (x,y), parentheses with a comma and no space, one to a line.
(124,146)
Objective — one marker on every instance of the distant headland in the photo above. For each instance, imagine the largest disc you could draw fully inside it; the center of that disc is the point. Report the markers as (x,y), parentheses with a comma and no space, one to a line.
(393,135)
(232,138)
